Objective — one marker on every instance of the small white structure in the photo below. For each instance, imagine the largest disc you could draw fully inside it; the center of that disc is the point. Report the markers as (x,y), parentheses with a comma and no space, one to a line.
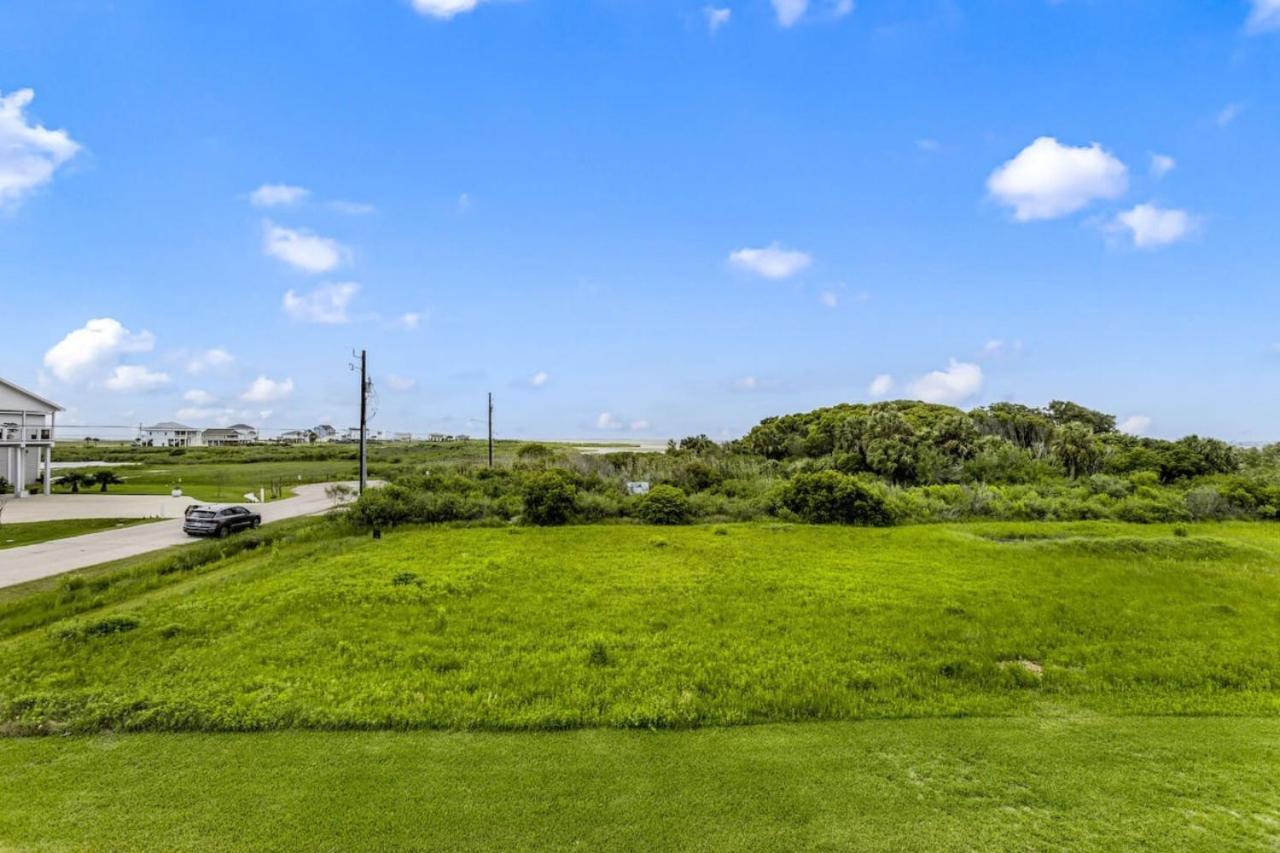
(638,488)
(170,434)
(402,436)
(26,437)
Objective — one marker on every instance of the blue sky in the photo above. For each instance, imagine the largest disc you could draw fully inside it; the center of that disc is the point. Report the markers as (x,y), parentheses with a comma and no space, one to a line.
(641,219)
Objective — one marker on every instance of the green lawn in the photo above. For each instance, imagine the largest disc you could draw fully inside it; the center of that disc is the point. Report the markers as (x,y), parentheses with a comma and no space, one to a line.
(1084,783)
(627,626)
(223,481)
(32,532)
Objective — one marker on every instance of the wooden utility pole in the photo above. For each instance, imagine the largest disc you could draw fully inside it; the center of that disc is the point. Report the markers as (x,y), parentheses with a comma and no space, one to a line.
(490,429)
(364,411)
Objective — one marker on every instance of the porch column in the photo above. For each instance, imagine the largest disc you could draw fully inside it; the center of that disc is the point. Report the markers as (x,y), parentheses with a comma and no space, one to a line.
(20,480)
(48,477)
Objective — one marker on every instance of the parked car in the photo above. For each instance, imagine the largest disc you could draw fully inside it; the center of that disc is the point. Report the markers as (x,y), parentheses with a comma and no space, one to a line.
(216,520)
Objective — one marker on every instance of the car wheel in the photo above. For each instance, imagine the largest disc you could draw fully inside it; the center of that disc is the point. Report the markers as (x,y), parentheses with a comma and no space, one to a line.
(224,531)
(255,523)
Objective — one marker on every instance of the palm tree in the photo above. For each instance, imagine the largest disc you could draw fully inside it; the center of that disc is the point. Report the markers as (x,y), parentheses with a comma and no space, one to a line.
(73,480)
(105,478)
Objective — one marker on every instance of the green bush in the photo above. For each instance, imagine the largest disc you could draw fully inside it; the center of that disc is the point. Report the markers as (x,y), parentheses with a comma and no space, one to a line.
(829,497)
(549,498)
(664,505)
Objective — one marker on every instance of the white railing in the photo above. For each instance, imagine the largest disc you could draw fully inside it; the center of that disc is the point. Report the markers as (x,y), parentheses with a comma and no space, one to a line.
(13,433)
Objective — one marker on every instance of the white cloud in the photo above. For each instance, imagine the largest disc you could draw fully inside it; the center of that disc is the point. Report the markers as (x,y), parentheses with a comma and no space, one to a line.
(717,17)
(1265,16)
(605,420)
(829,299)
(465,202)
(539,379)
(199,397)
(326,305)
(135,377)
(928,145)
(29,153)
(99,342)
(747,383)
(197,414)
(355,208)
(1135,425)
(790,11)
(1047,180)
(1162,164)
(409,320)
(993,347)
(1228,114)
(301,249)
(277,195)
(959,382)
(264,390)
(881,385)
(639,425)
(401,383)
(1152,227)
(210,359)
(444,9)
(772,261)
(840,8)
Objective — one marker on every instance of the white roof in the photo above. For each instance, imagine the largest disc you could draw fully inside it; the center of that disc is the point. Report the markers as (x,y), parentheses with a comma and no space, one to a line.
(25,393)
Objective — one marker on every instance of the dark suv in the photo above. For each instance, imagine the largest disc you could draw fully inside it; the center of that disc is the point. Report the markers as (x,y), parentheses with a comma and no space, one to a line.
(220,521)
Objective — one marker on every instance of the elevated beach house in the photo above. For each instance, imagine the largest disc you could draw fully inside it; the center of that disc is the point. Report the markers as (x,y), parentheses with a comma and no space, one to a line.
(26,437)
(170,434)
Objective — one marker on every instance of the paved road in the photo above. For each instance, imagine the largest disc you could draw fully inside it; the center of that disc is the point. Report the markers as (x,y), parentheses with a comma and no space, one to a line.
(60,507)
(18,565)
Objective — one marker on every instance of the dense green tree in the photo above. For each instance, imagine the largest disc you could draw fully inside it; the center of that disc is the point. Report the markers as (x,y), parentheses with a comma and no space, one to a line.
(549,498)
(1076,447)
(102,479)
(664,505)
(1062,413)
(829,497)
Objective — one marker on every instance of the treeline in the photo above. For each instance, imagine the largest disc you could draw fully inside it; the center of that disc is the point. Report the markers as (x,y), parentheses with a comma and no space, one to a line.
(884,463)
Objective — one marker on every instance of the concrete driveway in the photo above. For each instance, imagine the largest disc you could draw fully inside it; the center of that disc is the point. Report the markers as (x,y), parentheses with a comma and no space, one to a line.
(18,565)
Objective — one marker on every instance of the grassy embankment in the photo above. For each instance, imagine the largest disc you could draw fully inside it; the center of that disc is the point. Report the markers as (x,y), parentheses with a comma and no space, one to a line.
(35,532)
(1127,680)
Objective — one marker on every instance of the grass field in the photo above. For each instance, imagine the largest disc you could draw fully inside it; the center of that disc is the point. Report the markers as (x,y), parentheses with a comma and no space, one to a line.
(1033,686)
(33,532)
(637,627)
(1084,783)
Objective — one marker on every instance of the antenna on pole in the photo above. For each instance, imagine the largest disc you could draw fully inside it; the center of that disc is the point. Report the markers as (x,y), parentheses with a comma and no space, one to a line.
(490,429)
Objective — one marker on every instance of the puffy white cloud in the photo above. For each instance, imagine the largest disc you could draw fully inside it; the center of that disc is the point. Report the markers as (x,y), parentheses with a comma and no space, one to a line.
(789,11)
(409,320)
(277,195)
(717,17)
(1265,16)
(301,249)
(326,305)
(539,379)
(95,345)
(444,9)
(401,383)
(639,425)
(199,397)
(205,414)
(1135,425)
(135,377)
(1152,227)
(210,359)
(960,381)
(772,261)
(29,153)
(1228,114)
(880,385)
(1047,179)
(264,390)
(606,420)
(829,299)
(1162,164)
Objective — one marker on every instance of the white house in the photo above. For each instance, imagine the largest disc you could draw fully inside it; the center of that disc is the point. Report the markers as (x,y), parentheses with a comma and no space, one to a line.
(26,437)
(170,434)
(236,434)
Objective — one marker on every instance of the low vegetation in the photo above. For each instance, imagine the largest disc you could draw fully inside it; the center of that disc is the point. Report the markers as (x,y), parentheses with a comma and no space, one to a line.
(641,627)
(33,532)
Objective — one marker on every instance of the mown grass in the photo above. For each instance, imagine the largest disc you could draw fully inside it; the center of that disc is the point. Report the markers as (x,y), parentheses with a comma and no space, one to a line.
(1061,784)
(35,532)
(642,627)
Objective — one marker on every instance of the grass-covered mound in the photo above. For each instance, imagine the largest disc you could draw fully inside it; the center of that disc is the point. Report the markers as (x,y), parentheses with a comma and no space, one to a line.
(636,626)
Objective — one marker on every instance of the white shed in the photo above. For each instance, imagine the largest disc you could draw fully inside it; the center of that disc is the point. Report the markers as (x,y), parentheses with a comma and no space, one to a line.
(26,437)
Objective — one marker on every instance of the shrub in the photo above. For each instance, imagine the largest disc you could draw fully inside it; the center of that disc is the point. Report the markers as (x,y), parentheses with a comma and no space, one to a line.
(829,497)
(664,505)
(549,498)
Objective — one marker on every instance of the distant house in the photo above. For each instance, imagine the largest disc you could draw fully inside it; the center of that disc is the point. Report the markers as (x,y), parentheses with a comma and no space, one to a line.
(170,434)
(402,436)
(234,435)
(437,437)
(324,432)
(295,436)
(26,437)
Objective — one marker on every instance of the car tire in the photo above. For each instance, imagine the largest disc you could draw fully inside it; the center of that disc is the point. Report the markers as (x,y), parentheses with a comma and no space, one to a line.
(224,531)
(255,524)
